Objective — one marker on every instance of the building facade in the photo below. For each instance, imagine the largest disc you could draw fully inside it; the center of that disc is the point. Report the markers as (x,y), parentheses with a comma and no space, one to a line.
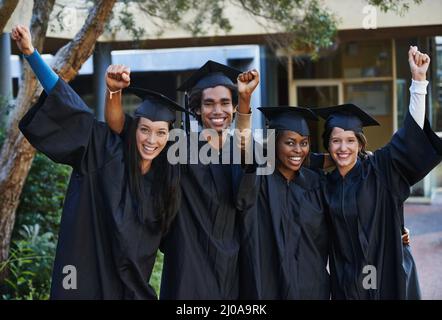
(368,65)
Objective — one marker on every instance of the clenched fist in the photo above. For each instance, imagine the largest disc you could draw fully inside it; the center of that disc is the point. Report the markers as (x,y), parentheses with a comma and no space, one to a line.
(419,63)
(22,37)
(247,82)
(117,77)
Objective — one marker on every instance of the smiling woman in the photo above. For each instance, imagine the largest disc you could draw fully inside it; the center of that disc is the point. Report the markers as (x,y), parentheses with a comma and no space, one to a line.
(285,240)
(151,138)
(291,152)
(366,195)
(344,148)
(123,194)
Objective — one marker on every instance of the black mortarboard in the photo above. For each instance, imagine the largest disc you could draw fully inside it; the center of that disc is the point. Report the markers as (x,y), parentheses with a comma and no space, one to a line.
(346,116)
(155,106)
(289,118)
(210,75)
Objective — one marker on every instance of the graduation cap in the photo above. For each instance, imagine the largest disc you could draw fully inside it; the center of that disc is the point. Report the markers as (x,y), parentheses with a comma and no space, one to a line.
(289,118)
(155,106)
(346,116)
(210,75)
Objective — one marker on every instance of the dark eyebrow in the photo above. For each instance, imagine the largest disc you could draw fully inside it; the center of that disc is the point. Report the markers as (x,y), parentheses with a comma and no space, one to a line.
(213,100)
(302,139)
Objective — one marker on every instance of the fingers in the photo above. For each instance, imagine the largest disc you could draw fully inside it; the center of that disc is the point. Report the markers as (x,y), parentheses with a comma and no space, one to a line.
(419,58)
(248,75)
(245,77)
(411,53)
(255,74)
(22,30)
(15,35)
(406,236)
(125,77)
(405,239)
(118,72)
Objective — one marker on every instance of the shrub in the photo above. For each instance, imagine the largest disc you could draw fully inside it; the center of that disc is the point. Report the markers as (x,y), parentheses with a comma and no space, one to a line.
(29,265)
(35,233)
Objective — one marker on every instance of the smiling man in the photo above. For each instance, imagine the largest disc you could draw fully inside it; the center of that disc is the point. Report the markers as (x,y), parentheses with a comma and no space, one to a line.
(201,250)
(216,92)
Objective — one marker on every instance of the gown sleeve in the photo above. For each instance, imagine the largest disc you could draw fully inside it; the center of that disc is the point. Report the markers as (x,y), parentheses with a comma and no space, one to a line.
(248,189)
(243,138)
(410,155)
(128,120)
(316,161)
(61,126)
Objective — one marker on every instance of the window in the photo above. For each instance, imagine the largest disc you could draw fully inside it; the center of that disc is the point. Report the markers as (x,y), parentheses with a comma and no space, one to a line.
(366,59)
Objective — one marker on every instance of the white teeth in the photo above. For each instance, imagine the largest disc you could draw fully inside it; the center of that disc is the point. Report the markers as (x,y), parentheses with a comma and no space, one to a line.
(295,158)
(218,120)
(148,149)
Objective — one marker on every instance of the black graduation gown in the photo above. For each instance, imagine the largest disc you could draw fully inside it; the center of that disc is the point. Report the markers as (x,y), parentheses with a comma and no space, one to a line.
(366,210)
(202,246)
(285,241)
(100,232)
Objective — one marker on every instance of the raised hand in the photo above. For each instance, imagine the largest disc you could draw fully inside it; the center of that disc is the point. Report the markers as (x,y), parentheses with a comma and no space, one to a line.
(117,77)
(247,82)
(22,37)
(419,63)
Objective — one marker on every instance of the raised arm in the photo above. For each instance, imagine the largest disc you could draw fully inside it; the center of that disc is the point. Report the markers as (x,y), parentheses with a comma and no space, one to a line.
(60,124)
(117,78)
(414,149)
(47,77)
(419,63)
(247,83)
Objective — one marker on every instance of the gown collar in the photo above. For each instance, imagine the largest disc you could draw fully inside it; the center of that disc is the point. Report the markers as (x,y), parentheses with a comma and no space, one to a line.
(299,179)
(352,175)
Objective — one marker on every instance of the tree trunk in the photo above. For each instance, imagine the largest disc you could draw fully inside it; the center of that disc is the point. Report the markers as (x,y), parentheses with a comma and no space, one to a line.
(17,154)
(7,7)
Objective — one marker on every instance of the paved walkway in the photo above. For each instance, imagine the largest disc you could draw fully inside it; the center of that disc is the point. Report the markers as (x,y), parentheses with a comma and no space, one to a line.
(425,224)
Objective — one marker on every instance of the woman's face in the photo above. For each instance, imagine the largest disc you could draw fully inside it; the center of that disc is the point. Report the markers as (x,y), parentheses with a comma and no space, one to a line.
(291,151)
(344,147)
(151,138)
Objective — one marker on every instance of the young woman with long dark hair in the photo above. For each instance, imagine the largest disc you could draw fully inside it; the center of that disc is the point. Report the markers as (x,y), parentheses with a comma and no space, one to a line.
(122,196)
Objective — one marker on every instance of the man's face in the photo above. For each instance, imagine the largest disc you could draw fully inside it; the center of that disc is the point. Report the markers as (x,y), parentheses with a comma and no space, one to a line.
(216,108)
